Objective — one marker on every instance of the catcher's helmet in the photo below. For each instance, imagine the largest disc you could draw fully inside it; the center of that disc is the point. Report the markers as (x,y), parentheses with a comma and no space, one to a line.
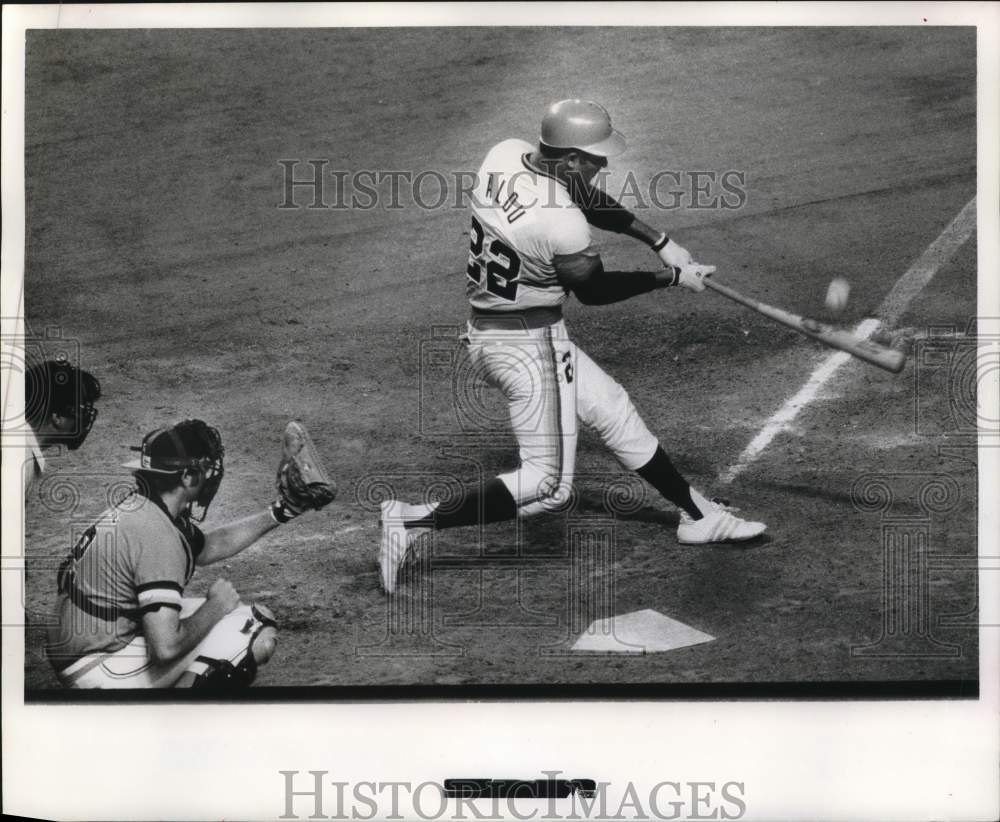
(583,125)
(189,445)
(56,387)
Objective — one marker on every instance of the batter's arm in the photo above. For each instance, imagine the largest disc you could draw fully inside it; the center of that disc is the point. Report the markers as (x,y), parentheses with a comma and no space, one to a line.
(644,232)
(583,273)
(605,212)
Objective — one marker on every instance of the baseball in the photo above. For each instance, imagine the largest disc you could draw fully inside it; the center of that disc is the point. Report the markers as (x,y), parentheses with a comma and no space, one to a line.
(837,293)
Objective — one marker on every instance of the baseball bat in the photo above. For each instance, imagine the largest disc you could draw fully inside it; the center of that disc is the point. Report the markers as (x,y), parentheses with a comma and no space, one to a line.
(890,359)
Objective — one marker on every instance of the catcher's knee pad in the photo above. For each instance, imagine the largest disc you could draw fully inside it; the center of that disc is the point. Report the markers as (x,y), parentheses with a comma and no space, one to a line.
(229,656)
(265,638)
(221,676)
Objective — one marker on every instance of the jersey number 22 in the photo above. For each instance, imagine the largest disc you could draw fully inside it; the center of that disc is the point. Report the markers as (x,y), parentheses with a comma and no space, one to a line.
(500,261)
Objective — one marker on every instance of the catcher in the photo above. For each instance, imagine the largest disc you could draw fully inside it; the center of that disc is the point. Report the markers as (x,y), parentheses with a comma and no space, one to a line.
(122,620)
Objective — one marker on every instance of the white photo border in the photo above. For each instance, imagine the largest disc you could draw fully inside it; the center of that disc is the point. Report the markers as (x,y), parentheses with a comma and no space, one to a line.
(798,760)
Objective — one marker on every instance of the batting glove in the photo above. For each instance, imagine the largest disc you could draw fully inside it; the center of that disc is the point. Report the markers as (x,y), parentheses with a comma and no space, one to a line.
(686,272)
(691,276)
(671,253)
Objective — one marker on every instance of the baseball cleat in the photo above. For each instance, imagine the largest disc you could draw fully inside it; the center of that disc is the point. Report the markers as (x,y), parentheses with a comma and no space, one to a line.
(396,542)
(719,525)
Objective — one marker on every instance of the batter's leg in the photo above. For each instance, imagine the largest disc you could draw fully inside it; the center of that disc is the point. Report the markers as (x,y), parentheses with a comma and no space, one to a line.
(606,407)
(546,431)
(537,378)
(537,375)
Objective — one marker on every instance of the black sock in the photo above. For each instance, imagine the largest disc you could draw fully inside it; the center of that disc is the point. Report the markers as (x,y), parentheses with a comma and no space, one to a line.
(661,474)
(493,504)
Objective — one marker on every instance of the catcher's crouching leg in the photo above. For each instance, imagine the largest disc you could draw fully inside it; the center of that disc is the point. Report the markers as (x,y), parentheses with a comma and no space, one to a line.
(228,658)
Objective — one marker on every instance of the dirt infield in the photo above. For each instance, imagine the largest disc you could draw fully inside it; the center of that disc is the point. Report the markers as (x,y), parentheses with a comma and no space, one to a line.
(156,241)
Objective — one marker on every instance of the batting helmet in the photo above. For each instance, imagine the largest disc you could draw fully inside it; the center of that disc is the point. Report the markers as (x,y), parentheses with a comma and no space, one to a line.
(583,125)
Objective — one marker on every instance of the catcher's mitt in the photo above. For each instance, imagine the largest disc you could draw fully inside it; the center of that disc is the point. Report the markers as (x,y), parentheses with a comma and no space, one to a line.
(303,484)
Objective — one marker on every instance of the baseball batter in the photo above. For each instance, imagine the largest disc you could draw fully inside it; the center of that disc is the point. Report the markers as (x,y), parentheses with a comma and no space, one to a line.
(532,212)
(122,620)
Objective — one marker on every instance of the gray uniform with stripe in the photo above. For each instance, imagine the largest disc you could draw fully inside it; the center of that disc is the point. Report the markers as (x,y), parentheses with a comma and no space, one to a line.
(132,560)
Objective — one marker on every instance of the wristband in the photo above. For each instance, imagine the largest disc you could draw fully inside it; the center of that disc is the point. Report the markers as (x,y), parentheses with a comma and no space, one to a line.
(664,239)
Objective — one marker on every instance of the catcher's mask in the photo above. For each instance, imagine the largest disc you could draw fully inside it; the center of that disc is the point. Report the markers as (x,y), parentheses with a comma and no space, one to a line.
(191,445)
(55,387)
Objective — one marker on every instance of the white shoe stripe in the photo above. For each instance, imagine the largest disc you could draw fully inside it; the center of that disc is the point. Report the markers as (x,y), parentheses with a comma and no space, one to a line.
(719,526)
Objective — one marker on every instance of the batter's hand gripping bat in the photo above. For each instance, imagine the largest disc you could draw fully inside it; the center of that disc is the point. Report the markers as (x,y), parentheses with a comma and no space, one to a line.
(890,359)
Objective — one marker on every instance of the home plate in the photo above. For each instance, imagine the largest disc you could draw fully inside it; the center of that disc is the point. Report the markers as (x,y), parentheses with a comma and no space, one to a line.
(640,632)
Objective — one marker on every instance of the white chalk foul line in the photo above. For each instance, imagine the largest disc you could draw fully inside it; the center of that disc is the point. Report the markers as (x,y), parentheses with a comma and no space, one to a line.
(327,537)
(923,270)
(889,312)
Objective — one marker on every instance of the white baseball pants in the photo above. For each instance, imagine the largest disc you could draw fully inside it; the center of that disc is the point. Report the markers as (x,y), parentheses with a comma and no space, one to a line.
(549,383)
(131,667)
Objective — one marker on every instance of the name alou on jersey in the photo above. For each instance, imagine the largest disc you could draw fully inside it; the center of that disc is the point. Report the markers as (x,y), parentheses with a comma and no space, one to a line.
(521,219)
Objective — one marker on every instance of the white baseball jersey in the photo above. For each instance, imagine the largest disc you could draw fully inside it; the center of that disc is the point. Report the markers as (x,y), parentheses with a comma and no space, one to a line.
(521,219)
